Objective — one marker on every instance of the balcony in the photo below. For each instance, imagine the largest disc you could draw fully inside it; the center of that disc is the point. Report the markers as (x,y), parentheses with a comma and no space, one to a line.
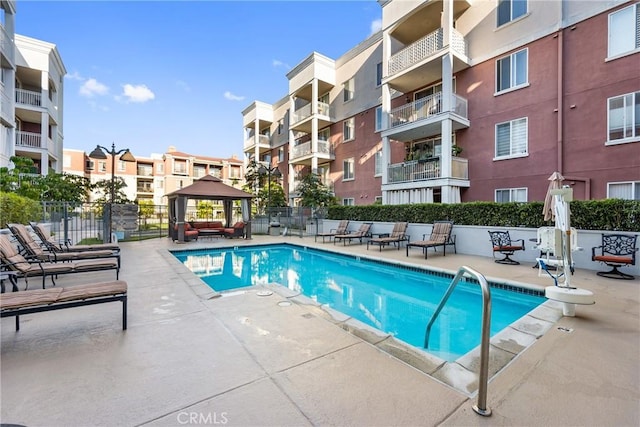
(28,139)
(419,62)
(423,117)
(28,97)
(300,119)
(302,152)
(144,188)
(423,170)
(263,141)
(145,170)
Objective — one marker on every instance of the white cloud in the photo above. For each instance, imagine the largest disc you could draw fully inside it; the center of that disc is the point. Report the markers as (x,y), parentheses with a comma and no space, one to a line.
(376,25)
(74,76)
(277,63)
(92,87)
(137,93)
(232,97)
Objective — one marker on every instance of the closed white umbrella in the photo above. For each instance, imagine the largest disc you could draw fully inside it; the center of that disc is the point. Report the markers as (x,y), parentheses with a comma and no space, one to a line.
(561,199)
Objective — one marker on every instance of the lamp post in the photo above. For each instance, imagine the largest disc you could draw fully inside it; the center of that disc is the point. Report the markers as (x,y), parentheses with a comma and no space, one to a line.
(264,170)
(101,152)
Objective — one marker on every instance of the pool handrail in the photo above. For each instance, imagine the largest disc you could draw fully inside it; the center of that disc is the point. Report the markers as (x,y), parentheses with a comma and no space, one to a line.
(481,407)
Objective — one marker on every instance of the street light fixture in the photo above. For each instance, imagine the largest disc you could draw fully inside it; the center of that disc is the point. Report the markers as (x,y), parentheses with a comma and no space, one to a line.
(101,152)
(274,171)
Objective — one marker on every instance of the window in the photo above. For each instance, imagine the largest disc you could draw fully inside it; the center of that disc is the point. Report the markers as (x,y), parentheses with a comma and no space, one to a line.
(378,163)
(102,166)
(505,195)
(347,169)
(378,119)
(511,71)
(280,127)
(348,201)
(624,117)
(348,90)
(324,134)
(378,199)
(89,165)
(121,166)
(280,155)
(511,138)
(160,167)
(623,190)
(160,184)
(509,10)
(348,129)
(624,30)
(66,161)
(378,73)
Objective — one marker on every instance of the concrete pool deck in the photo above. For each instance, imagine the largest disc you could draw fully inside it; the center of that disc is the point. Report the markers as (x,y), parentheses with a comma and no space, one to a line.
(244,359)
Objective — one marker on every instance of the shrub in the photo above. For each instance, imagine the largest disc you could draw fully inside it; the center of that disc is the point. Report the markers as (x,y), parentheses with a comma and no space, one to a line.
(18,209)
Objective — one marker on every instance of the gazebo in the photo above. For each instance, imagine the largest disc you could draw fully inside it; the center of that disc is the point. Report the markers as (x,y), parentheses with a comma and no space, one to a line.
(208,188)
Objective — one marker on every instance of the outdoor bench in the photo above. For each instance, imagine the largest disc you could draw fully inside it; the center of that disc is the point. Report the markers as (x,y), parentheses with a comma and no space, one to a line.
(40,300)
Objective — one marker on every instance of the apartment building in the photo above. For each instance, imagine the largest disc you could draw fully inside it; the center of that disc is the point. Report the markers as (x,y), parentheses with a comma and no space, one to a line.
(32,89)
(150,178)
(465,101)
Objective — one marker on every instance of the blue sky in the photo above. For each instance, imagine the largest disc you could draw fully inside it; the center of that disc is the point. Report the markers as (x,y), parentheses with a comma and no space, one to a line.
(150,74)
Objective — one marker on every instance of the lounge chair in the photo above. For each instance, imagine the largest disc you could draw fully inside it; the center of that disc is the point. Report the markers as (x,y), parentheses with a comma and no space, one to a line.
(52,245)
(342,229)
(397,236)
(502,243)
(363,232)
(35,251)
(440,236)
(617,250)
(236,231)
(12,260)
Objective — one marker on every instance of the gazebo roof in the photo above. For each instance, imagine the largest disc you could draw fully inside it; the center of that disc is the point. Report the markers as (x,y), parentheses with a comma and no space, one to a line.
(210,188)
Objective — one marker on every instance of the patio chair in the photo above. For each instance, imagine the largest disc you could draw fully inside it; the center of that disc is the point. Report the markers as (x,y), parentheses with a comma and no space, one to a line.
(440,236)
(342,229)
(52,245)
(617,250)
(397,236)
(34,250)
(12,260)
(236,231)
(363,232)
(502,243)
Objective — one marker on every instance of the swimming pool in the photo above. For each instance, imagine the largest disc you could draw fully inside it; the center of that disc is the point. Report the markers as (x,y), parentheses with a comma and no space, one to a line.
(398,300)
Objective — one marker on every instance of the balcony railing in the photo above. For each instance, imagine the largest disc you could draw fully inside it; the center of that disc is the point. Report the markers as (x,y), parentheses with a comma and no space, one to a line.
(28,139)
(145,189)
(305,111)
(304,149)
(252,140)
(424,48)
(28,97)
(421,170)
(425,108)
(145,171)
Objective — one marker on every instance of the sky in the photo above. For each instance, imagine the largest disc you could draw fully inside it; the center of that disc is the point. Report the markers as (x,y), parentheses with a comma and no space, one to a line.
(146,75)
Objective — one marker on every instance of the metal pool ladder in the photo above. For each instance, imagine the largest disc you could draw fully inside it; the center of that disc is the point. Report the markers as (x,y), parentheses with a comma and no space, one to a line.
(481,407)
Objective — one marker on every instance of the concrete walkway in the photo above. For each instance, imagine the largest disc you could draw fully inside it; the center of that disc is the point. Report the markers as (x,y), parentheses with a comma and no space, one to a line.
(191,358)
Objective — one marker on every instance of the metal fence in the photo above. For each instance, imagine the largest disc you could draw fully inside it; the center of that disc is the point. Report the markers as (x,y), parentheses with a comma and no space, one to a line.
(89,221)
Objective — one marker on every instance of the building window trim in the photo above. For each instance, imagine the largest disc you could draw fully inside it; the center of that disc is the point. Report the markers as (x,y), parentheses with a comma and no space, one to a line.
(348,169)
(350,124)
(635,189)
(348,90)
(512,192)
(377,168)
(511,18)
(631,33)
(513,72)
(512,154)
(632,123)
(378,119)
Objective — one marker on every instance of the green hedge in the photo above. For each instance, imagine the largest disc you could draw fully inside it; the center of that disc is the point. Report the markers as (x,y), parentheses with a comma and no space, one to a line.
(17,209)
(609,214)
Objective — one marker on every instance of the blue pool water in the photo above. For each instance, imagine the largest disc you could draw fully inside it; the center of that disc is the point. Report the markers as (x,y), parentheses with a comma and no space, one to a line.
(395,299)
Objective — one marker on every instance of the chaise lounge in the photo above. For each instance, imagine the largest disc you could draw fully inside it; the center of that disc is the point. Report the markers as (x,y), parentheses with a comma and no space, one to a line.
(397,236)
(440,236)
(363,232)
(50,243)
(341,229)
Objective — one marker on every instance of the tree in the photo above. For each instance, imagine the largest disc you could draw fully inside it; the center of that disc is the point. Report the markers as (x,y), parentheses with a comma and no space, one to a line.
(66,187)
(313,193)
(146,209)
(104,188)
(204,210)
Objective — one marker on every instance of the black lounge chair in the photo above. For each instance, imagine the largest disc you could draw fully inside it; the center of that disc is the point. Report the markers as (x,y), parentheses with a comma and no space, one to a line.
(440,236)
(363,232)
(397,236)
(52,245)
(617,250)
(342,229)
